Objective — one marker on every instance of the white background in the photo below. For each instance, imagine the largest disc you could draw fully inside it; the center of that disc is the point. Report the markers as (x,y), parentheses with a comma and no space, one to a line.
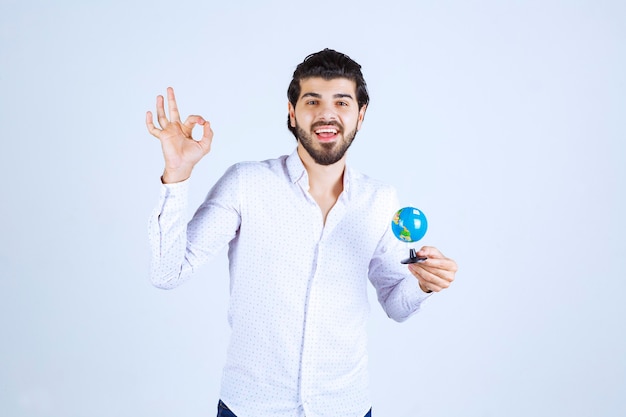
(503,120)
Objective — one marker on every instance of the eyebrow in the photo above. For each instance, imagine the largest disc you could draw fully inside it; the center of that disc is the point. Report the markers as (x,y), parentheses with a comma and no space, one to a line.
(338,95)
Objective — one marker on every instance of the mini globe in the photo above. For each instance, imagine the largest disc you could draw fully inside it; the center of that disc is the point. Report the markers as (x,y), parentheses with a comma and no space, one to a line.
(409,224)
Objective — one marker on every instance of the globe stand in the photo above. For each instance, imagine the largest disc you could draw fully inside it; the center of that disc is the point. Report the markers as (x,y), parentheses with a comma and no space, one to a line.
(413,258)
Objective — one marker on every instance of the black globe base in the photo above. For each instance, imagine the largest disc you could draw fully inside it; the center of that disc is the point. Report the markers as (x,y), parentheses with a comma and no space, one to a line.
(413,258)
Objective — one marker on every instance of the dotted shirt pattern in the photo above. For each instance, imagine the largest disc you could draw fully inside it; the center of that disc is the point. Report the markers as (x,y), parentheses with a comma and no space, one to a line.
(298,287)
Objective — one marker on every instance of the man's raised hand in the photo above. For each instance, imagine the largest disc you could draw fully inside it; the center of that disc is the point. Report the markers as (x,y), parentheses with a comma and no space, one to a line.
(180,150)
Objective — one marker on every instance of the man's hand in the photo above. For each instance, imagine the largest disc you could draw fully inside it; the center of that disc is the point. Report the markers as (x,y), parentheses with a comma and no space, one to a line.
(435,273)
(180,150)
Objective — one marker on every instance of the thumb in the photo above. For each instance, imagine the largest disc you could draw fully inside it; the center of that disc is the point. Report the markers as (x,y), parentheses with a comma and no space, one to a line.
(429,252)
(207,136)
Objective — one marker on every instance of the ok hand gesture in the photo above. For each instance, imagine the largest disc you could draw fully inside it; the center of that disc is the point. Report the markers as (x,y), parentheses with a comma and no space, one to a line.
(180,150)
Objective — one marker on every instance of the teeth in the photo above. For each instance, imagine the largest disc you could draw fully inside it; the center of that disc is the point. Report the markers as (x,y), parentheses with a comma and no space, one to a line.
(326,131)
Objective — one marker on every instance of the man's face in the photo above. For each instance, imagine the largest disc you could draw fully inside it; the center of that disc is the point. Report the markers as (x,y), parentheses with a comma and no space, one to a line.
(326,117)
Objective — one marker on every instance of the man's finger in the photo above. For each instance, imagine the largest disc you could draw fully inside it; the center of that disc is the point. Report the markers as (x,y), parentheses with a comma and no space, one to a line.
(430,278)
(207,137)
(439,263)
(429,252)
(150,125)
(171,104)
(442,268)
(160,107)
(191,121)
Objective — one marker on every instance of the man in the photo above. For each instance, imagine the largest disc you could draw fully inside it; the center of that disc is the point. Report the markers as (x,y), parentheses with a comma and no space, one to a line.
(304,233)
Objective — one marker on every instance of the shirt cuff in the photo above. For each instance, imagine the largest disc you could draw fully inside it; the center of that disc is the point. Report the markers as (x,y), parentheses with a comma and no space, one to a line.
(415,292)
(173,197)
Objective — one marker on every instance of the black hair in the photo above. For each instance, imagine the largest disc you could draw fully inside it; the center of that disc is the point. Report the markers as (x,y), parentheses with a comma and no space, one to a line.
(327,64)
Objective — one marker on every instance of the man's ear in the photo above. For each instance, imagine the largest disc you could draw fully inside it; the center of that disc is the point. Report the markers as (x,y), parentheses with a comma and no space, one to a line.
(292,115)
(361,116)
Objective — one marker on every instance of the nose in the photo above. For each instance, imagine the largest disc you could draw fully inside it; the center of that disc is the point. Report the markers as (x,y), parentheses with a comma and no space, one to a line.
(327,112)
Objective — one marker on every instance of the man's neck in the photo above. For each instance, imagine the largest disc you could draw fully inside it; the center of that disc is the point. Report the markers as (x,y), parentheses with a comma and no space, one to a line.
(324,180)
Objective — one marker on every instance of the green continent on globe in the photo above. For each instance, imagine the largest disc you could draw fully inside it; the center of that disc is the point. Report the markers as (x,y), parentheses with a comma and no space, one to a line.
(405,234)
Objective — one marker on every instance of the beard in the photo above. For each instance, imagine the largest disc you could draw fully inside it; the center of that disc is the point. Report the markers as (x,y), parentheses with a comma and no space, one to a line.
(325,153)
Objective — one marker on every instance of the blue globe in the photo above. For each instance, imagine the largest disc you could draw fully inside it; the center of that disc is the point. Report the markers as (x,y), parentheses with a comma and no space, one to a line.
(409,224)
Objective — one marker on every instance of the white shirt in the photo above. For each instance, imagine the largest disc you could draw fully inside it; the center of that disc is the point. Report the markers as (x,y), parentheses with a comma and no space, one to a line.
(298,287)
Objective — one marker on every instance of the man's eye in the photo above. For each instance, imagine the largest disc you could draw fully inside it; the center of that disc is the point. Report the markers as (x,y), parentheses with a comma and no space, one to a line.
(342,103)
(311,102)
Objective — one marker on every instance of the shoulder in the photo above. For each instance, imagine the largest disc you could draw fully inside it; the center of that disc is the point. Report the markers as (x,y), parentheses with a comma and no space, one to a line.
(256,168)
(256,174)
(379,198)
(365,184)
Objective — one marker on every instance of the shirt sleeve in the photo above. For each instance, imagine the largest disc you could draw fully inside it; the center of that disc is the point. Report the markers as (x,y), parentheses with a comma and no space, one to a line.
(397,289)
(178,248)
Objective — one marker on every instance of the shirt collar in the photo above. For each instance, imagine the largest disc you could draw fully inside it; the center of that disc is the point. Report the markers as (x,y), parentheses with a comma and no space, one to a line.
(297,172)
(295,168)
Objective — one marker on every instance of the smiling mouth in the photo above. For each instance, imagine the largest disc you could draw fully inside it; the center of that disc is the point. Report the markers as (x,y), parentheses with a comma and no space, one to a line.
(326,133)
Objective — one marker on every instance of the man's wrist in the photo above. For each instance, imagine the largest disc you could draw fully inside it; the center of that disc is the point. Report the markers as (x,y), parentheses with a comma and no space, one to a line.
(171,177)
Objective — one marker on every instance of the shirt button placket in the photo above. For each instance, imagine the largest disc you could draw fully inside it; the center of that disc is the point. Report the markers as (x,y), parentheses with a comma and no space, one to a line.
(317,230)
